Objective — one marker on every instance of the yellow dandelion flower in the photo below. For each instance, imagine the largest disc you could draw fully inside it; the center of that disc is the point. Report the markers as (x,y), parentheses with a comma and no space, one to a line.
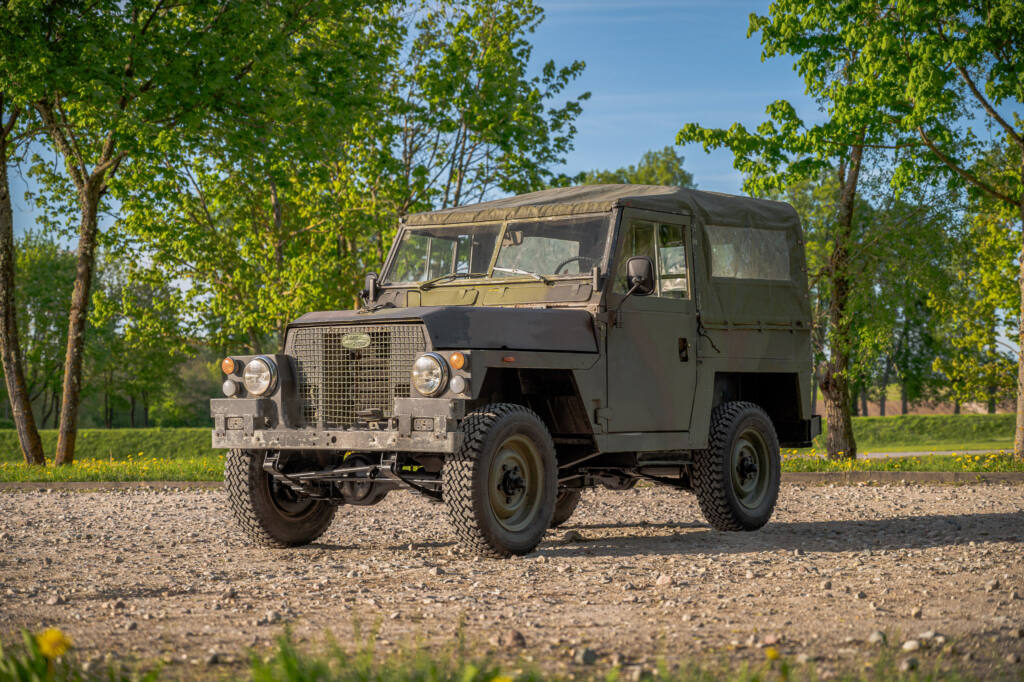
(771,653)
(53,643)
(501,678)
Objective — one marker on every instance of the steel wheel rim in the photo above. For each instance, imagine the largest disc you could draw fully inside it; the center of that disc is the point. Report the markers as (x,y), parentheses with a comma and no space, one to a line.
(515,482)
(286,502)
(749,469)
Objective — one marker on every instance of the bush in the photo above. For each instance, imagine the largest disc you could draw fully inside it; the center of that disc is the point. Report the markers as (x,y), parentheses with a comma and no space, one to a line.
(119,444)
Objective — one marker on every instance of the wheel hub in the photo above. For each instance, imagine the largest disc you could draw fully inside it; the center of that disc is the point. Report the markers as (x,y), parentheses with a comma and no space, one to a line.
(747,467)
(512,483)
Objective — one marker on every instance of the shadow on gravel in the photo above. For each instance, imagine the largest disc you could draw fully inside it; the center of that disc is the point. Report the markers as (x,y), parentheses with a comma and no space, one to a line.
(912,532)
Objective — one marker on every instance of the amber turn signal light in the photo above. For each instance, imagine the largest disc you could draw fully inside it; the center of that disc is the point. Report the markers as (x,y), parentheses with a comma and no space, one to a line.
(457,360)
(228,365)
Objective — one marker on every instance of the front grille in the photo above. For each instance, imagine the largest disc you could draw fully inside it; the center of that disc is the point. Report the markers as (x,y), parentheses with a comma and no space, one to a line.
(335,383)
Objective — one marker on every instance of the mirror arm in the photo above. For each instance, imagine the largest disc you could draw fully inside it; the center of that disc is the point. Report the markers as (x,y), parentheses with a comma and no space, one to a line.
(616,318)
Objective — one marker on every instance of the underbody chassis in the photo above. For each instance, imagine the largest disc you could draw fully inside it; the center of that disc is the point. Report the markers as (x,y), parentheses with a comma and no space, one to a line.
(365,478)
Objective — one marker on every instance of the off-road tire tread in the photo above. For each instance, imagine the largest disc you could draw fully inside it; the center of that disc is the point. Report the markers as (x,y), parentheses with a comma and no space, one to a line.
(710,472)
(459,471)
(240,478)
(565,510)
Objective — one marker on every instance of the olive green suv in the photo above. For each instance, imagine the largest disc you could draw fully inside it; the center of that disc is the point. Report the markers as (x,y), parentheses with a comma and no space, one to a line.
(515,352)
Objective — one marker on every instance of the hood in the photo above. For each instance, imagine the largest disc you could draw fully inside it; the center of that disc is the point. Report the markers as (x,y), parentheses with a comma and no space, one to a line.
(479,328)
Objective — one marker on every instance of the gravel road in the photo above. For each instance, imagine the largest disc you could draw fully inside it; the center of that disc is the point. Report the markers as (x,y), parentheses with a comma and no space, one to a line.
(634,577)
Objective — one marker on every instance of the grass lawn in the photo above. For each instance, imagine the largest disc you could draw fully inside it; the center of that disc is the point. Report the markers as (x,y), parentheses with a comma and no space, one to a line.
(131,468)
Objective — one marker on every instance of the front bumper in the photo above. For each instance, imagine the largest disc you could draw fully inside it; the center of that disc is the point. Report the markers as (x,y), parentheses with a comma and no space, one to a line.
(419,425)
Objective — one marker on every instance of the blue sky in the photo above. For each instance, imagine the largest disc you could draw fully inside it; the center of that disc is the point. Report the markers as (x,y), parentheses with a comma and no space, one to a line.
(652,65)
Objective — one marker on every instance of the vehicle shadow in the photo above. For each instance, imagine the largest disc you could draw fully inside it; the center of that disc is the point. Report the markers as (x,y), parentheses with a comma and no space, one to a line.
(908,532)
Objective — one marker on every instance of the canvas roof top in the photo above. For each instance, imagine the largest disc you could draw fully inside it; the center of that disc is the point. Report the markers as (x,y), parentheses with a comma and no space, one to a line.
(712,207)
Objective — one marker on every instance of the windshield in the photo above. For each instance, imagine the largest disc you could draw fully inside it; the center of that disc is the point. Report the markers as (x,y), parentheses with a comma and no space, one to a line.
(432,252)
(533,248)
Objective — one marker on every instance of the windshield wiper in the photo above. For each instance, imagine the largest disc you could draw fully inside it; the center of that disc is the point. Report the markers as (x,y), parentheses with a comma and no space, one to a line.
(447,278)
(517,271)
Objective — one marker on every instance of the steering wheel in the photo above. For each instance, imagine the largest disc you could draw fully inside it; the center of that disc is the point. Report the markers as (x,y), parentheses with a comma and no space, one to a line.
(581,259)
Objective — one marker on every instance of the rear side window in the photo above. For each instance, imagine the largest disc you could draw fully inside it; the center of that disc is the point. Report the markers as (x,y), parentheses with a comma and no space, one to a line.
(748,253)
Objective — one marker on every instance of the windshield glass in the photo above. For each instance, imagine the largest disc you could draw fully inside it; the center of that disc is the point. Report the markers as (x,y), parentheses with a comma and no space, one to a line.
(563,246)
(432,252)
(533,248)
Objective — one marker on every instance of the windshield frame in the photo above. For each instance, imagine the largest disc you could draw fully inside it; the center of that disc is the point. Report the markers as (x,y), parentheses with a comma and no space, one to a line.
(488,277)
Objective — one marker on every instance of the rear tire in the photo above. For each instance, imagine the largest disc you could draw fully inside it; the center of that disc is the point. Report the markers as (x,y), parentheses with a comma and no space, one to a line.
(737,478)
(565,505)
(500,485)
(267,513)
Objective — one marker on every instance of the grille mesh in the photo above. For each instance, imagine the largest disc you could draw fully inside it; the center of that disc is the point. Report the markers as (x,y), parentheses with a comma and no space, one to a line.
(335,382)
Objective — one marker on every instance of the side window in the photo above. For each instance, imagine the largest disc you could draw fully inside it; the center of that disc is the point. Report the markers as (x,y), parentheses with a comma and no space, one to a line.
(672,262)
(639,241)
(748,253)
(665,245)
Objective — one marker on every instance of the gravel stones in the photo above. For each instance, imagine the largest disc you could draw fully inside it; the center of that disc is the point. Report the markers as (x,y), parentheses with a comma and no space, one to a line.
(650,582)
(509,638)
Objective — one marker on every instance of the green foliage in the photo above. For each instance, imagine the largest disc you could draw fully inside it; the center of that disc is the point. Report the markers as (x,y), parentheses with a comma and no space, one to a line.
(45,658)
(656,167)
(46,273)
(434,112)
(120,444)
(978,314)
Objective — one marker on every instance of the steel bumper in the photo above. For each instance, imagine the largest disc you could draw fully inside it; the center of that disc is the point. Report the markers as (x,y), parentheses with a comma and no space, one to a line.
(419,425)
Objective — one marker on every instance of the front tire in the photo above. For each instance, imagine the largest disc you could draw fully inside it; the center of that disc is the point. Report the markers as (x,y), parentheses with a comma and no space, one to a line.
(267,513)
(737,478)
(500,485)
(565,505)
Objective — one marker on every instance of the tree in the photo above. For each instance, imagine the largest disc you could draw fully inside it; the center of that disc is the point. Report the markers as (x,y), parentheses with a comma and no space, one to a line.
(469,118)
(443,111)
(46,275)
(977,313)
(116,82)
(657,167)
(930,68)
(10,346)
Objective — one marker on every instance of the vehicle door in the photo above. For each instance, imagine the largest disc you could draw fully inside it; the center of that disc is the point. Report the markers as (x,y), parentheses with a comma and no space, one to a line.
(652,340)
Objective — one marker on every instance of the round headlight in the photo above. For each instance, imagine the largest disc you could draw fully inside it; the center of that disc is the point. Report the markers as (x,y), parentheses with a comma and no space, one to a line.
(260,376)
(429,374)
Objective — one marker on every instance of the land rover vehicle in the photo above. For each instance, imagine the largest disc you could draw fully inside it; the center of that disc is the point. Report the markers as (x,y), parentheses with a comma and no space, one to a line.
(515,352)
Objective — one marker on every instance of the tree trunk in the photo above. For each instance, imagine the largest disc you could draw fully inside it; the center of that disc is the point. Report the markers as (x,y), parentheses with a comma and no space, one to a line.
(903,399)
(835,384)
(10,347)
(864,402)
(145,410)
(72,390)
(839,440)
(1018,439)
(991,402)
(956,406)
(106,408)
(131,413)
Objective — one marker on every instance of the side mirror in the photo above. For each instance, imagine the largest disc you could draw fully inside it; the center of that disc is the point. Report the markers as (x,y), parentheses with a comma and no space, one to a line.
(640,275)
(369,293)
